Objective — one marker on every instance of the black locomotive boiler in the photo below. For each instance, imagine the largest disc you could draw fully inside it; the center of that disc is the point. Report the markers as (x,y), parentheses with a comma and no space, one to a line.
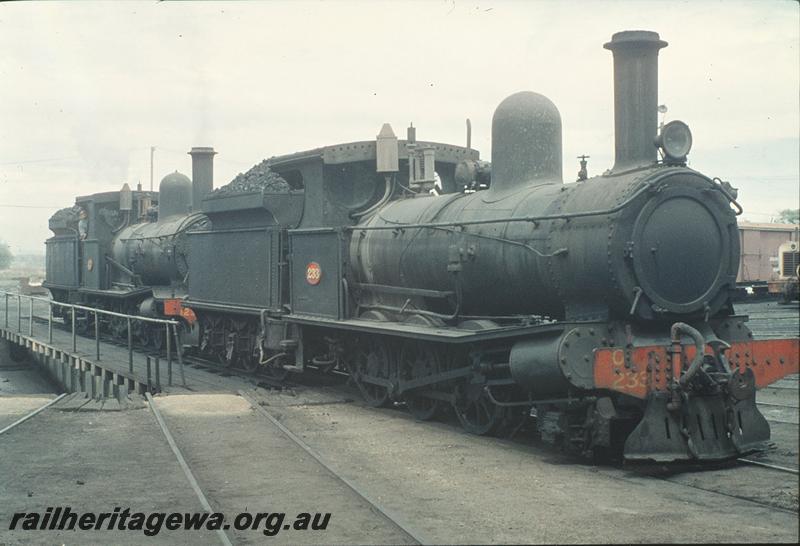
(600,307)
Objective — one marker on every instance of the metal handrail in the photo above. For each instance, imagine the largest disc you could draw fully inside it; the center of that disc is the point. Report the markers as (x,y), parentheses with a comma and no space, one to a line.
(173,324)
(90,309)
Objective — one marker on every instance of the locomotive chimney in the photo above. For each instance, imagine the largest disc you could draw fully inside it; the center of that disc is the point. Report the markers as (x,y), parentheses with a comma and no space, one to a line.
(202,174)
(635,97)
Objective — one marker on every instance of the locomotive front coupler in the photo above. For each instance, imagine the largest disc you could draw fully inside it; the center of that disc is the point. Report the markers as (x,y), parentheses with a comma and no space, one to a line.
(707,374)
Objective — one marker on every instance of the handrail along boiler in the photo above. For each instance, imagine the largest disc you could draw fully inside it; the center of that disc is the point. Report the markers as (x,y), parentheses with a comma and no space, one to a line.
(601,307)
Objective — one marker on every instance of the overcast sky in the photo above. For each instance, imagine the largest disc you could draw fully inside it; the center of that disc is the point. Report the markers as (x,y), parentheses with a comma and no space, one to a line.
(86,88)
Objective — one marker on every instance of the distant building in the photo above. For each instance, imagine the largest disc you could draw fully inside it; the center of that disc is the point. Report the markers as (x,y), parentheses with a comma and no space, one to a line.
(759,243)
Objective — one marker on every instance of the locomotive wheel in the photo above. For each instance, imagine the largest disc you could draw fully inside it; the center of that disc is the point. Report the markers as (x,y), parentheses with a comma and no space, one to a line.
(84,323)
(228,356)
(453,358)
(249,360)
(478,415)
(419,359)
(276,372)
(249,363)
(372,358)
(207,325)
(118,328)
(512,418)
(142,333)
(156,337)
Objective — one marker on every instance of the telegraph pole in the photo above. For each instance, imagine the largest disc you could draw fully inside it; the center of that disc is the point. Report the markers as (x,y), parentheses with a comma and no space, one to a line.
(152,151)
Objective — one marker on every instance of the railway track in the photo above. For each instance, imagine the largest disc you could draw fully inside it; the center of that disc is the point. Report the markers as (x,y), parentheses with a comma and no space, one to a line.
(779,422)
(415,535)
(771,470)
(768,465)
(770,320)
(722,481)
(788,385)
(223,537)
(765,484)
(186,463)
(734,493)
(31,414)
(265,381)
(774,405)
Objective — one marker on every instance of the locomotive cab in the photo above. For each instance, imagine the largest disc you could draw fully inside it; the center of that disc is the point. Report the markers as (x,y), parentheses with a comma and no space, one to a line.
(83,236)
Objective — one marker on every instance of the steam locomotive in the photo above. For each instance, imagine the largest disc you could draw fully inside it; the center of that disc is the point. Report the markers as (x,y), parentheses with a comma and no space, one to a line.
(437,280)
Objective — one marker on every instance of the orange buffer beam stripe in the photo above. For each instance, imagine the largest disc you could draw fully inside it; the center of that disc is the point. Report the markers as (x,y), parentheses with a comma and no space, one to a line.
(174,307)
(640,370)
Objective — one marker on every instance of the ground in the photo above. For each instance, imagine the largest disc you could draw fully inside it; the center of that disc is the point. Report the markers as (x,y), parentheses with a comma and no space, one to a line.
(440,484)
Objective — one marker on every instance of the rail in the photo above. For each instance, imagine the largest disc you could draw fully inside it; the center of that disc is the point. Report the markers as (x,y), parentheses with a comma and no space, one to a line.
(393,517)
(223,537)
(769,465)
(32,413)
(170,330)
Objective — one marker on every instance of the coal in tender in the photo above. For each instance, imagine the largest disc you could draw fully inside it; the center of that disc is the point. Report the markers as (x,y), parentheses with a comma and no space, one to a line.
(259,178)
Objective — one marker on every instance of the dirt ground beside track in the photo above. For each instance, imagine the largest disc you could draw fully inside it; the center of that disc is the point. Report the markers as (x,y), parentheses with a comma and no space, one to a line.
(243,462)
(459,488)
(453,487)
(92,462)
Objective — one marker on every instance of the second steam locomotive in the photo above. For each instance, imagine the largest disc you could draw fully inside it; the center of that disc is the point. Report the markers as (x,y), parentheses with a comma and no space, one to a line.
(601,307)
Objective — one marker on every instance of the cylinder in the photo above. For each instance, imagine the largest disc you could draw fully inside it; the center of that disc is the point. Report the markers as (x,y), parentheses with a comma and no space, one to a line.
(202,174)
(534,365)
(526,142)
(635,97)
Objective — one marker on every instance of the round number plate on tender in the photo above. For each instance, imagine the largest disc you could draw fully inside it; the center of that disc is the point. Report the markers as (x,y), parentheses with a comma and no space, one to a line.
(313,273)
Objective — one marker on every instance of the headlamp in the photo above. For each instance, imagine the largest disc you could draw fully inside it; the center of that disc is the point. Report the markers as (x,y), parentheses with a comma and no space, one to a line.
(675,141)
